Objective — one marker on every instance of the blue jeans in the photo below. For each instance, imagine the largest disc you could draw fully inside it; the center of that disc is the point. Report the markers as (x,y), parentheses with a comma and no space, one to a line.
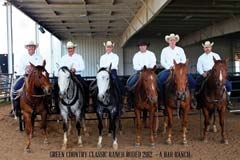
(200,78)
(18,84)
(133,79)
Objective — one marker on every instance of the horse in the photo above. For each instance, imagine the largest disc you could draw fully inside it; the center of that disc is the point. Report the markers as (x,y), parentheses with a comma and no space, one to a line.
(177,96)
(212,97)
(145,98)
(71,103)
(32,100)
(107,101)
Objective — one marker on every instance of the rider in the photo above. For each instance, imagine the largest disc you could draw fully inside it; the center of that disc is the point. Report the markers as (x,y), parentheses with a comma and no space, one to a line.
(204,65)
(170,53)
(75,63)
(142,58)
(111,58)
(23,69)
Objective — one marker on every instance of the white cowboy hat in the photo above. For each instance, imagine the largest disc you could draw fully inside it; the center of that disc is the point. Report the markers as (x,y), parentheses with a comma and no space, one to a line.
(207,44)
(172,36)
(108,43)
(70,44)
(31,43)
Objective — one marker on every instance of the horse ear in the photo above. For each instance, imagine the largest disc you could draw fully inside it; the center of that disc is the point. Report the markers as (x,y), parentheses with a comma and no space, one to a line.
(44,63)
(32,65)
(144,67)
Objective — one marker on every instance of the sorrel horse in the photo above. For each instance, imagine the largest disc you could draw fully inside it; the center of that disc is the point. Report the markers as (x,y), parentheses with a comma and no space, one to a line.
(212,97)
(70,103)
(32,100)
(145,98)
(107,101)
(177,96)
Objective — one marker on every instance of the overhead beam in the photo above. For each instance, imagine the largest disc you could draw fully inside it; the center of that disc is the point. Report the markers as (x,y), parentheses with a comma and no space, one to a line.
(228,26)
(144,15)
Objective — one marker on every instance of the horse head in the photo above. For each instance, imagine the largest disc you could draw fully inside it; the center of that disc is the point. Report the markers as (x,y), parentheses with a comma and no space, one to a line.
(103,82)
(148,82)
(179,73)
(219,73)
(39,78)
(64,78)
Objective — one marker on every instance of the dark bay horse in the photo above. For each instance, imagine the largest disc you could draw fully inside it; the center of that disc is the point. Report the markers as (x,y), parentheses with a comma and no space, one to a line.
(70,103)
(177,96)
(32,100)
(107,101)
(212,97)
(145,98)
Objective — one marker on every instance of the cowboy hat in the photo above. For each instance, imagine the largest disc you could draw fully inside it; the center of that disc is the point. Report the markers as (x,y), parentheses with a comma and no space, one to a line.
(172,36)
(207,44)
(143,43)
(31,43)
(108,43)
(70,44)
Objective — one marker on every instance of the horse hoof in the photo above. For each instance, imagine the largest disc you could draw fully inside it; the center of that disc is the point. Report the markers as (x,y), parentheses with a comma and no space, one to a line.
(205,140)
(214,129)
(27,150)
(225,141)
(185,142)
(115,146)
(169,142)
(99,145)
(120,133)
(87,134)
(152,145)
(64,147)
(109,134)
(80,145)
(45,141)
(137,144)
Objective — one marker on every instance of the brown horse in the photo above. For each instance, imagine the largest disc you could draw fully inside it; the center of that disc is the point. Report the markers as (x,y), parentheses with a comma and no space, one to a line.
(33,98)
(212,97)
(177,96)
(145,98)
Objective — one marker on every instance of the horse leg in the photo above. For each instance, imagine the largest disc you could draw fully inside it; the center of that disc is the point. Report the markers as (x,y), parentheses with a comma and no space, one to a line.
(44,126)
(184,125)
(113,126)
(100,129)
(169,127)
(151,124)
(138,137)
(164,121)
(156,123)
(84,124)
(214,123)
(65,131)
(221,122)
(206,124)
(145,118)
(78,127)
(33,116)
(28,130)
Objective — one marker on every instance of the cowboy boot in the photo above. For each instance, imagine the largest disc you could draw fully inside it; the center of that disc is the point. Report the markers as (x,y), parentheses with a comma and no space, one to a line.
(229,103)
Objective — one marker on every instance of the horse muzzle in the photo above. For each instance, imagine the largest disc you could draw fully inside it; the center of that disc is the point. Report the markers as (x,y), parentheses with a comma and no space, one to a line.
(181,95)
(47,91)
(153,99)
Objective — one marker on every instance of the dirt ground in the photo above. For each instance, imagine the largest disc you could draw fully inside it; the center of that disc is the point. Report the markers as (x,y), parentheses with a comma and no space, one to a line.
(13,141)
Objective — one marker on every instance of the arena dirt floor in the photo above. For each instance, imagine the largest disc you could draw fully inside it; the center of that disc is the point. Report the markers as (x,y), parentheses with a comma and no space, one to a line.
(12,142)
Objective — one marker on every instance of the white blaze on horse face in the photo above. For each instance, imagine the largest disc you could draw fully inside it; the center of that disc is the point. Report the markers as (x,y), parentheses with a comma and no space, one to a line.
(103,80)
(63,81)
(220,76)
(44,73)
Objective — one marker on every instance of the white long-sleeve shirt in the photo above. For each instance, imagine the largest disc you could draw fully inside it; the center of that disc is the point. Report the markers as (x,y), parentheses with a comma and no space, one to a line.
(205,62)
(168,55)
(140,59)
(74,61)
(108,58)
(36,59)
